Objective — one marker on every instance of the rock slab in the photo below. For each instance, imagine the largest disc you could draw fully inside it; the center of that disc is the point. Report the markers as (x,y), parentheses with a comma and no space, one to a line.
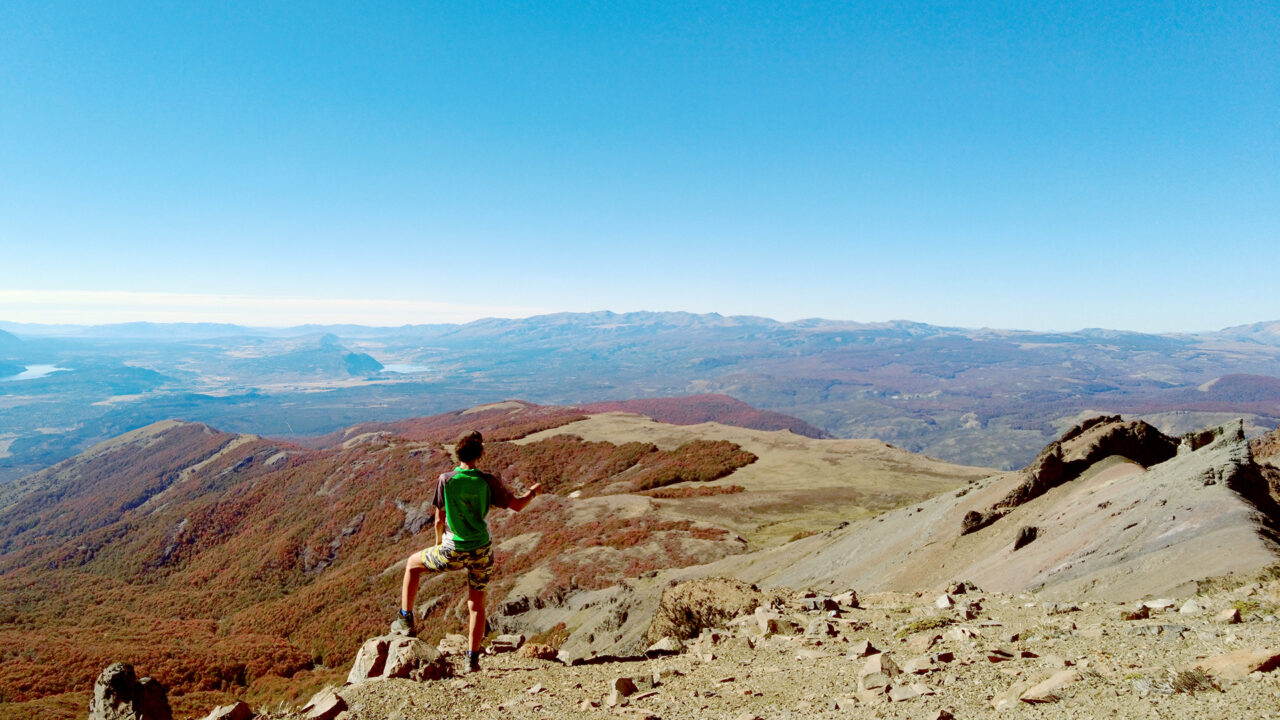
(1237,665)
(238,710)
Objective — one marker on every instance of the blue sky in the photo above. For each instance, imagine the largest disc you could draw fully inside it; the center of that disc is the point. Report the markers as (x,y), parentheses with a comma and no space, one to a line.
(977,164)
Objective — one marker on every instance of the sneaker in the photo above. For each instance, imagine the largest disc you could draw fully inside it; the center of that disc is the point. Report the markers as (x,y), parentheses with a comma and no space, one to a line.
(402,626)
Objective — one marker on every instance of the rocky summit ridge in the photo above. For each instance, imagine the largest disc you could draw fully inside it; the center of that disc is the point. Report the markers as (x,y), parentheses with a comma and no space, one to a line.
(754,654)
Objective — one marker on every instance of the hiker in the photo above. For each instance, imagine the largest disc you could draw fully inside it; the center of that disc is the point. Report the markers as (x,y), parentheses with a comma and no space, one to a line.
(463,497)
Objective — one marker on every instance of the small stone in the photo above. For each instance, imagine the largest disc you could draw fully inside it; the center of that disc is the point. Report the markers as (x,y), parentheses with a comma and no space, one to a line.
(1055,661)
(877,672)
(940,715)
(843,703)
(1142,613)
(921,642)
(588,705)
(1159,605)
(1191,607)
(999,655)
(848,598)
(900,693)
(1230,616)
(666,646)
(861,649)
(811,654)
(624,686)
(943,602)
(535,689)
(820,628)
(661,674)
(918,665)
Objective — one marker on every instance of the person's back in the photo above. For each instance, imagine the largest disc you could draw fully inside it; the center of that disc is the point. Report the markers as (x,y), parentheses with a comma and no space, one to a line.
(462,499)
(466,496)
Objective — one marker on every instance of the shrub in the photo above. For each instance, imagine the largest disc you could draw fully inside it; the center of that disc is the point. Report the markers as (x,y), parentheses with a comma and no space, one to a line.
(931,623)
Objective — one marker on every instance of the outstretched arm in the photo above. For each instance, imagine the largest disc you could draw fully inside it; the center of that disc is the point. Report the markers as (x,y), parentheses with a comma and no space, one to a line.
(518,503)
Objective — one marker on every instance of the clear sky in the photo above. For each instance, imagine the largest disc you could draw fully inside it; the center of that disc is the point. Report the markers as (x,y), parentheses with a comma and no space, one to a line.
(1005,164)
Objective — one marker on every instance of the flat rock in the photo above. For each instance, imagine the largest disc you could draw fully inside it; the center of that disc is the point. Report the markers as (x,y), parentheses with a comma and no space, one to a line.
(324,705)
(918,665)
(900,693)
(238,710)
(921,643)
(1047,690)
(1237,665)
(666,646)
(506,643)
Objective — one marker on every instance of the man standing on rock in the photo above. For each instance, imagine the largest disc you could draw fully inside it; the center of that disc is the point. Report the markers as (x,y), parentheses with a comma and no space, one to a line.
(463,497)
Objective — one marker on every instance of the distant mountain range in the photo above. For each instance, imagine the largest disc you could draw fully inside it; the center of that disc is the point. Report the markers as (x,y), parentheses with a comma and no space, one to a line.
(977,396)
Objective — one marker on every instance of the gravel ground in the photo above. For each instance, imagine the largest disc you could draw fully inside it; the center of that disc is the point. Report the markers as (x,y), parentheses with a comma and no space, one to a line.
(1123,668)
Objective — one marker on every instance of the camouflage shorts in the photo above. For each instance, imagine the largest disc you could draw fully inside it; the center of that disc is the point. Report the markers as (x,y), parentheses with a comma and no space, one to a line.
(478,563)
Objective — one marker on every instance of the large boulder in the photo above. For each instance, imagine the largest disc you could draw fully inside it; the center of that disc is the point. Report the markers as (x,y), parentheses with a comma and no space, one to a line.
(118,694)
(688,607)
(395,656)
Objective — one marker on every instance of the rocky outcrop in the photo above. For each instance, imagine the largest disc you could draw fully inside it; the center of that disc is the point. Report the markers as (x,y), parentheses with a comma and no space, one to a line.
(394,656)
(1082,446)
(1267,447)
(118,694)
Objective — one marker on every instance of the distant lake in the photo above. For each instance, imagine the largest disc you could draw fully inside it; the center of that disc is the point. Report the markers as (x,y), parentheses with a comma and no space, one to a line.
(405,369)
(35,371)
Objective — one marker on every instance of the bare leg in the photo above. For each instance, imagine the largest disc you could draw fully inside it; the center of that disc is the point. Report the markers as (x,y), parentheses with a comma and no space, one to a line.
(475,612)
(413,570)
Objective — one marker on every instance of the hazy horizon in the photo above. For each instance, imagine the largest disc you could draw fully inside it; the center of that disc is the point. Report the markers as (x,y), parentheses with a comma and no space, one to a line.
(252,321)
(1021,166)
